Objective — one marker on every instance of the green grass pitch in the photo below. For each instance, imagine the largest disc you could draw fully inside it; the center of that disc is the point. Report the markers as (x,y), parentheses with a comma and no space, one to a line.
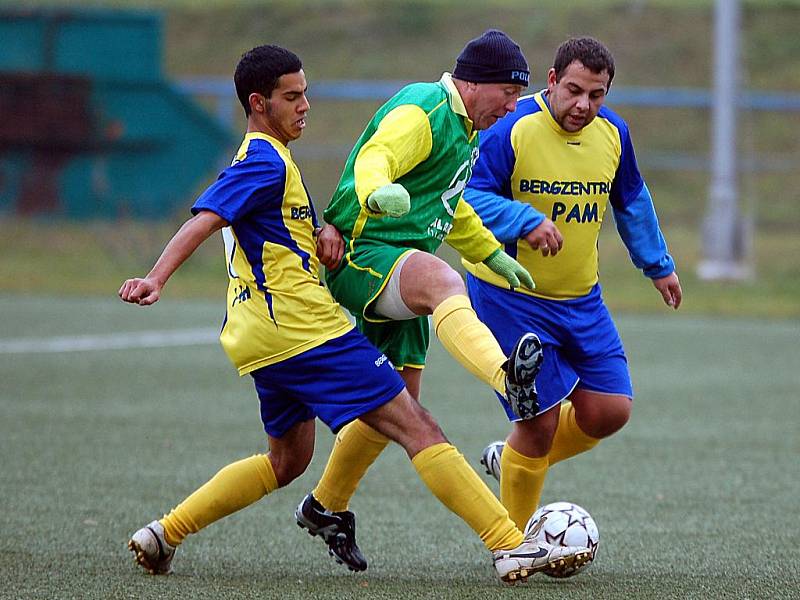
(697,497)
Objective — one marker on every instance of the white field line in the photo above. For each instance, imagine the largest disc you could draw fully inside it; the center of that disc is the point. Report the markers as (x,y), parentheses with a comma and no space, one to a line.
(111,341)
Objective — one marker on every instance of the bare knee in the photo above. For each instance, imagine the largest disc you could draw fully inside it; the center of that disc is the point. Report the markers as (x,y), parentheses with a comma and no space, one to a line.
(452,282)
(603,414)
(288,467)
(416,429)
(427,427)
(291,453)
(426,281)
(534,437)
(405,421)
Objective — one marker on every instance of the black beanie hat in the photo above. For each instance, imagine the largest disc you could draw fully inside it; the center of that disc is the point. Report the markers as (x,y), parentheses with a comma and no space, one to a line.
(492,58)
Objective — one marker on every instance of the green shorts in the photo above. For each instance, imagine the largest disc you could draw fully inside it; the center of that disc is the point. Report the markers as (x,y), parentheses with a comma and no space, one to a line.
(356,284)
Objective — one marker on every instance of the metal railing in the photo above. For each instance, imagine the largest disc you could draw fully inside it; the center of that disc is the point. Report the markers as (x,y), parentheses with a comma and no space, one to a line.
(221,92)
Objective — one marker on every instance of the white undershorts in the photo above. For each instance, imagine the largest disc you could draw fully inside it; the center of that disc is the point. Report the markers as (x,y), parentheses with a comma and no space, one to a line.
(390,303)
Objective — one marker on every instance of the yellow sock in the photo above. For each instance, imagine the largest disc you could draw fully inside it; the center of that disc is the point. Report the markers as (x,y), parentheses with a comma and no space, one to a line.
(469,341)
(569,439)
(234,487)
(443,469)
(521,483)
(356,448)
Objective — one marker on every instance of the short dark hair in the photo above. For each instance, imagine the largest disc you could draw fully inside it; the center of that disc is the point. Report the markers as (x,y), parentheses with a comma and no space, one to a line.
(590,52)
(259,69)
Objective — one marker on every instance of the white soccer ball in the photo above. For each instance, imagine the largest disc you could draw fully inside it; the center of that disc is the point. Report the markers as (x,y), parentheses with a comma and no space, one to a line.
(490,459)
(566,524)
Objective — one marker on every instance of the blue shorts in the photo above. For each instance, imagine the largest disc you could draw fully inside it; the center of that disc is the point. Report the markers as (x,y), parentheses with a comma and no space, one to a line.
(581,345)
(338,381)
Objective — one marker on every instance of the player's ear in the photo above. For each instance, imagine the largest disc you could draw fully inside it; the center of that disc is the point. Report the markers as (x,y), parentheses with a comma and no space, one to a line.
(258,103)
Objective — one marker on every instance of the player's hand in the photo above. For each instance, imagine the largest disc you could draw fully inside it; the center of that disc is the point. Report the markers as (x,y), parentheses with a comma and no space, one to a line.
(330,246)
(391,200)
(140,291)
(546,237)
(513,272)
(670,289)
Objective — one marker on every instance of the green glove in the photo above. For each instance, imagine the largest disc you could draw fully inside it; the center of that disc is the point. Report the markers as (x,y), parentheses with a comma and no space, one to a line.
(513,272)
(391,200)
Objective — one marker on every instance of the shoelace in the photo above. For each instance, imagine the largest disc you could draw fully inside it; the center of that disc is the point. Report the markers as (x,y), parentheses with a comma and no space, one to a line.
(534,532)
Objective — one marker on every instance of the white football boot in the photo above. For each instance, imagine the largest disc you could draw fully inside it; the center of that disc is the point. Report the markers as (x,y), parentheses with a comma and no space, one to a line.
(534,556)
(151,549)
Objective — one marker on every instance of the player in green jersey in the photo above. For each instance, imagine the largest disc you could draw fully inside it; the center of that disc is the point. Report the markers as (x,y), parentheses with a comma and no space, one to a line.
(399,198)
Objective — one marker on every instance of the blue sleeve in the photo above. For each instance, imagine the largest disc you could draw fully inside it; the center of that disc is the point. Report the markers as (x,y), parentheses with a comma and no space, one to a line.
(256,182)
(634,212)
(489,189)
(628,181)
(637,225)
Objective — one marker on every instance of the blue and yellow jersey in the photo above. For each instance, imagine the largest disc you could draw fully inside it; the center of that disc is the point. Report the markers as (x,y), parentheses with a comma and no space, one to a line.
(276,305)
(423,139)
(530,168)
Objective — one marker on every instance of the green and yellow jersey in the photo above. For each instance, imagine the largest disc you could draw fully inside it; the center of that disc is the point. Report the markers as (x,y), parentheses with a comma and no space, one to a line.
(422,139)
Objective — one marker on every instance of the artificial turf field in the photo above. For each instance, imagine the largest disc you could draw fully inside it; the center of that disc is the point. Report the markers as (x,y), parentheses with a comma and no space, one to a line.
(698,497)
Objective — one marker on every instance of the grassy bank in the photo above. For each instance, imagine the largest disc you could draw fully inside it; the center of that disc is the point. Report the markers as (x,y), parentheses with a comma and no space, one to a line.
(61,258)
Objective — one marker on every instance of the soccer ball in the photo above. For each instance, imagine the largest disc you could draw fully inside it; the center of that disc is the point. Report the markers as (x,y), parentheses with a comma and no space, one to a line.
(490,459)
(567,524)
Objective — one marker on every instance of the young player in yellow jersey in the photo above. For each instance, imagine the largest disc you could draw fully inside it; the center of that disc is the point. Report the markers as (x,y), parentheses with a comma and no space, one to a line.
(545,177)
(284,329)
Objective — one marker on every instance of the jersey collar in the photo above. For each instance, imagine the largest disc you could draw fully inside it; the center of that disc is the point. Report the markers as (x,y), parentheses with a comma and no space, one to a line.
(541,100)
(258,135)
(455,100)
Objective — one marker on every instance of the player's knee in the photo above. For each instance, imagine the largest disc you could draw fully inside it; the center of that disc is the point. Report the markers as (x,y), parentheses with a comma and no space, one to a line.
(288,467)
(452,281)
(618,415)
(446,283)
(422,430)
(426,281)
(611,424)
(431,428)
(606,418)
(534,437)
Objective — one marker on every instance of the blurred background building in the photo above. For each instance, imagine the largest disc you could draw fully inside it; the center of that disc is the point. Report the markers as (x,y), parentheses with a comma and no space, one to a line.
(90,126)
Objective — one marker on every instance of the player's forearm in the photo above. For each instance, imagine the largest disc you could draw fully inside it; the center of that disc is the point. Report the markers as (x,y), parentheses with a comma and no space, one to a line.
(638,227)
(373,169)
(506,219)
(469,237)
(402,141)
(183,244)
